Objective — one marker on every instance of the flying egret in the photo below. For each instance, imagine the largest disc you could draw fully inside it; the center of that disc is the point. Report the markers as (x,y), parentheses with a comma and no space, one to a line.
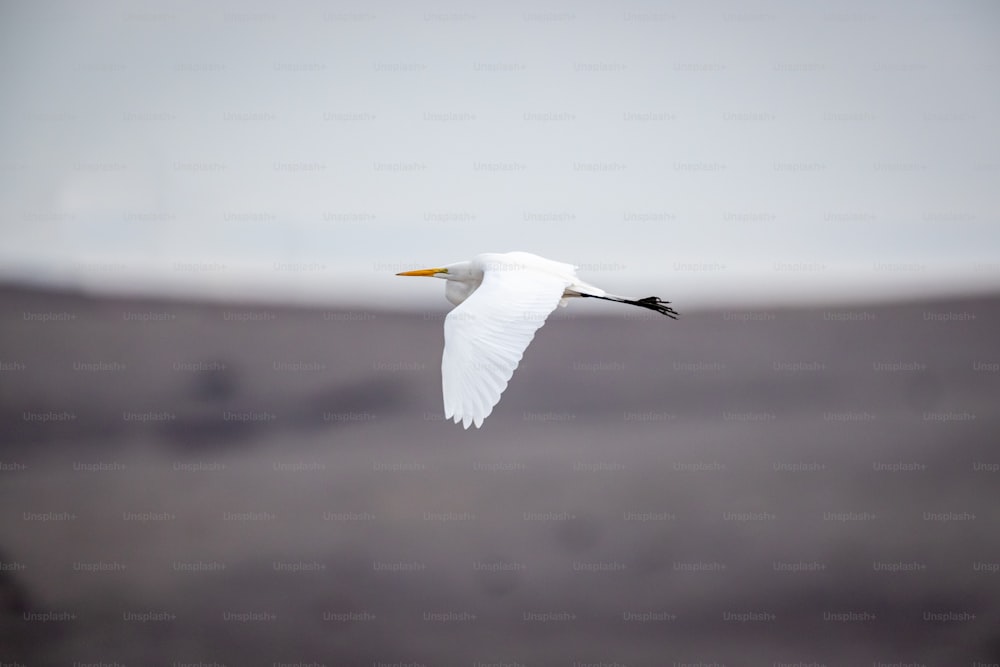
(501,300)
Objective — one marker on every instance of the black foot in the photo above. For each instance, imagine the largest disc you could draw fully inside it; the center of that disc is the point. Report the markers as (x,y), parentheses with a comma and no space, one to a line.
(657,304)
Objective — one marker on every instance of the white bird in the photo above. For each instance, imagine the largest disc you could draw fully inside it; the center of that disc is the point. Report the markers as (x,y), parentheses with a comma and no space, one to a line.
(502,299)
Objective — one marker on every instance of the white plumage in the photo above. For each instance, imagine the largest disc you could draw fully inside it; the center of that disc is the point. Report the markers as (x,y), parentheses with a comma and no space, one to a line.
(502,299)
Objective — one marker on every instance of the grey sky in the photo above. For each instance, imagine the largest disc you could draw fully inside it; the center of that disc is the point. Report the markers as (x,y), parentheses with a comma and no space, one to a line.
(708,152)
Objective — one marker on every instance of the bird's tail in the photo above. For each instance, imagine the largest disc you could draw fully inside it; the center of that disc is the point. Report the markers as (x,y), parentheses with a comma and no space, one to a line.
(650,302)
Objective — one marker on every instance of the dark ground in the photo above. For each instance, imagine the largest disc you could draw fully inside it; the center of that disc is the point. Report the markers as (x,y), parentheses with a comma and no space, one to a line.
(195,483)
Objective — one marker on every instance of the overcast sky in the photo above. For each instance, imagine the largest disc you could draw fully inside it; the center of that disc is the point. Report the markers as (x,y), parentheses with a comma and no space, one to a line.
(705,152)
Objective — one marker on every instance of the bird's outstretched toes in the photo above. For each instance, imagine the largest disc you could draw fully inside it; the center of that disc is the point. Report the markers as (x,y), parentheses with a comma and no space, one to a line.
(657,304)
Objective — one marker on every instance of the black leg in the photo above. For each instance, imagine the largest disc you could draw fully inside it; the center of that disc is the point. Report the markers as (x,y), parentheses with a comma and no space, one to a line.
(650,302)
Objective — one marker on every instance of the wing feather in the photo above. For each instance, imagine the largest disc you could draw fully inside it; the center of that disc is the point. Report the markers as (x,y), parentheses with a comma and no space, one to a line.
(485,338)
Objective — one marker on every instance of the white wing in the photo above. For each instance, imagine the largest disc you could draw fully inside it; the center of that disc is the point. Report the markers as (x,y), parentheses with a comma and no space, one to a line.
(485,337)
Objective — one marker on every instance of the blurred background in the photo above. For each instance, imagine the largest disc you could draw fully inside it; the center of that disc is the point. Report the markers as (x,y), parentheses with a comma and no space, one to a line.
(222,435)
(306,151)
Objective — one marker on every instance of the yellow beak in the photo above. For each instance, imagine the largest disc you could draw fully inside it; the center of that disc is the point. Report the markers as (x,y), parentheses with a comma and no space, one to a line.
(429,273)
